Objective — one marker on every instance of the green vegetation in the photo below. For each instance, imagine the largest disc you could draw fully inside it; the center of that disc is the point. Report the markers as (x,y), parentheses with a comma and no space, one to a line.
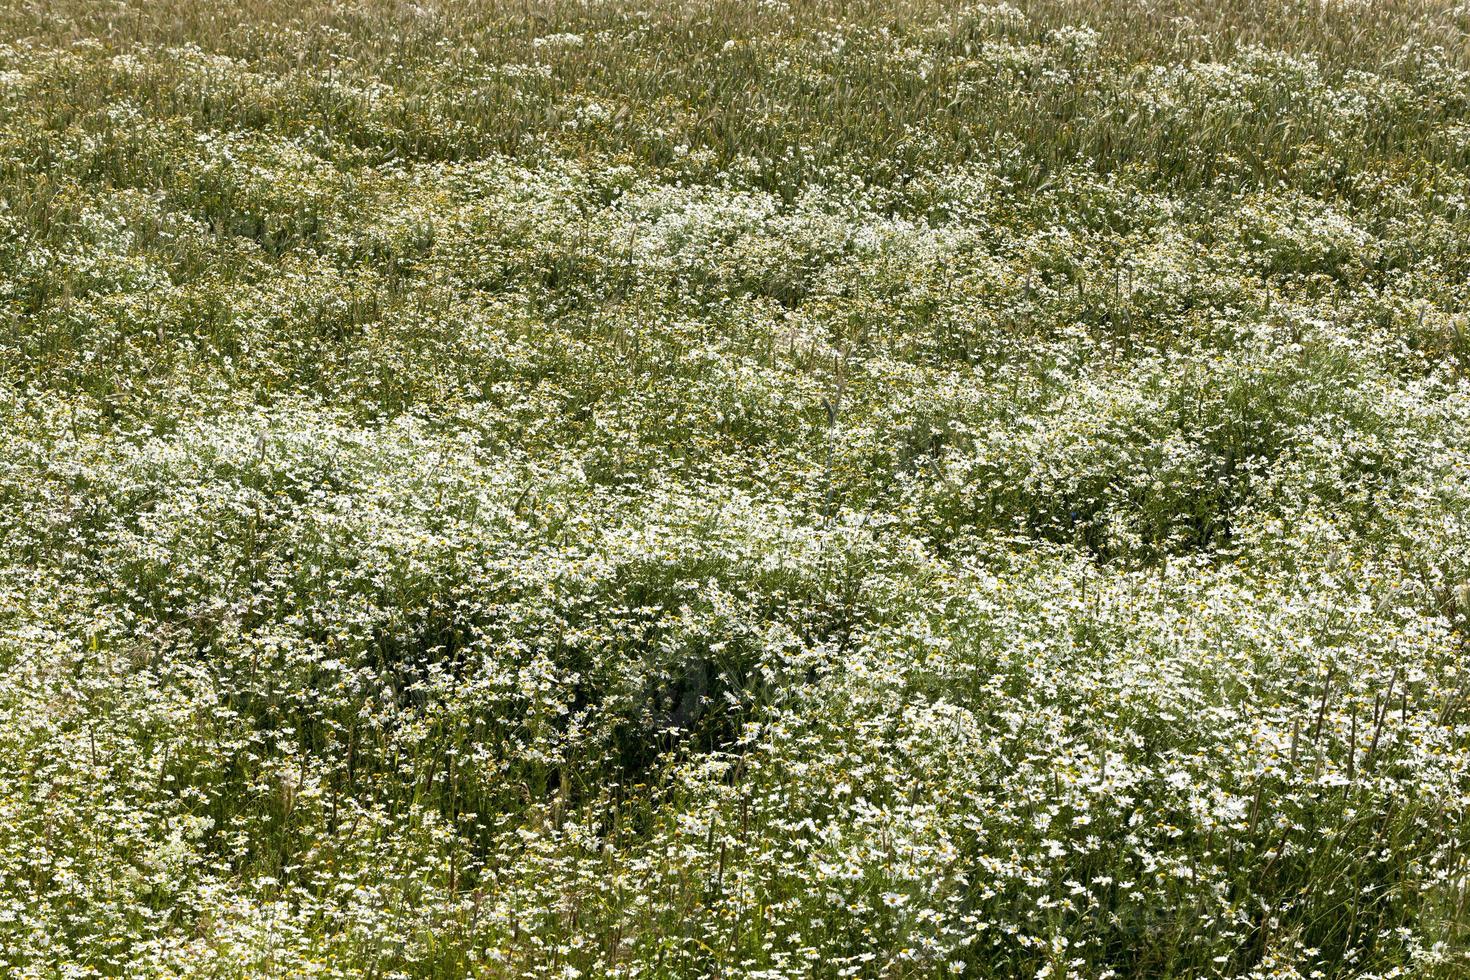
(767,489)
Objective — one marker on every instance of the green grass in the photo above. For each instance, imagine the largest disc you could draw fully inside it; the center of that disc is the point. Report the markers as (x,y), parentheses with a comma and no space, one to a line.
(734,490)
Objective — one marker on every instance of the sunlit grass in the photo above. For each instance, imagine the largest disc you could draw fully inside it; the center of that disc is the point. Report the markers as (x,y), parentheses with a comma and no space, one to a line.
(737,489)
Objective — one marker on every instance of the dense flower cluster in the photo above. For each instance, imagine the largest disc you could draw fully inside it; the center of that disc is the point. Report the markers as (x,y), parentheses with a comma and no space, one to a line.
(761,490)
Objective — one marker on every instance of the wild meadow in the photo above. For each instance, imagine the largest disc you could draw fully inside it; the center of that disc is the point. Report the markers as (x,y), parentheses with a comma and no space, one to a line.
(761,489)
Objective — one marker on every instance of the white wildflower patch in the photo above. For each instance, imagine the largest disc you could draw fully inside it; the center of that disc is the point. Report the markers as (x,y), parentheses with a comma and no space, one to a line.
(605,490)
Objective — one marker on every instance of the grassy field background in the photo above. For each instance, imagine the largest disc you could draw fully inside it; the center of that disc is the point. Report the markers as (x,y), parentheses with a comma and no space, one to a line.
(765,489)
